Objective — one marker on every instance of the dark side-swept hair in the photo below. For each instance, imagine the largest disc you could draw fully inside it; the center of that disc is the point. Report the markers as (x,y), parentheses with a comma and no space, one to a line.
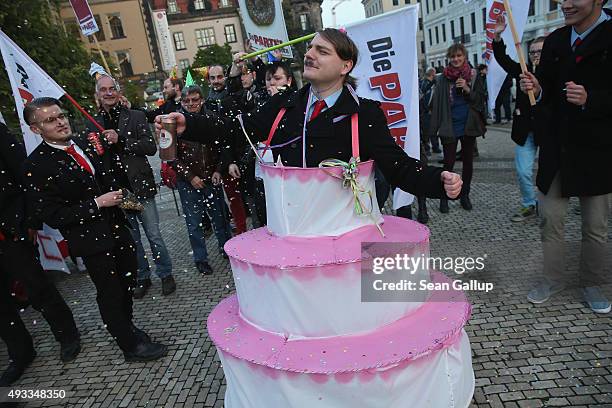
(344,47)
(38,103)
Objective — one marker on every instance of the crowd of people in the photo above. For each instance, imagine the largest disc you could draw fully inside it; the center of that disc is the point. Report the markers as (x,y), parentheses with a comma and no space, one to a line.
(69,185)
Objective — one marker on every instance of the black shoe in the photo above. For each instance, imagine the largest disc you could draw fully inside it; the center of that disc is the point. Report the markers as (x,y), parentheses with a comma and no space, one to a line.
(146,352)
(168,285)
(141,336)
(15,370)
(70,350)
(141,289)
(444,206)
(465,202)
(422,215)
(436,150)
(204,268)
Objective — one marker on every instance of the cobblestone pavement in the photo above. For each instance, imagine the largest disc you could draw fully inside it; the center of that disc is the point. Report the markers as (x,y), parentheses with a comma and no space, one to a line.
(555,354)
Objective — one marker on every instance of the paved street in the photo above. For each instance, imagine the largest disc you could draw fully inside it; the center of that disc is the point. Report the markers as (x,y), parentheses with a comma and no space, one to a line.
(550,355)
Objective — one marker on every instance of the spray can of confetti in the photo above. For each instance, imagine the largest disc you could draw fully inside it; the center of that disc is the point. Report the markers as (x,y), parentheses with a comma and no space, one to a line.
(167,139)
(94,139)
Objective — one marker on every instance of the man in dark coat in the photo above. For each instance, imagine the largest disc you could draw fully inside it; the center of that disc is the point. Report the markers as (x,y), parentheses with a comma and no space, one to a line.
(524,124)
(128,135)
(19,261)
(328,63)
(172,99)
(574,82)
(71,189)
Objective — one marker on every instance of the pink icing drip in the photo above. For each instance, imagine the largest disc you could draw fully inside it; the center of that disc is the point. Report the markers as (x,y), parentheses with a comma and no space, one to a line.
(306,174)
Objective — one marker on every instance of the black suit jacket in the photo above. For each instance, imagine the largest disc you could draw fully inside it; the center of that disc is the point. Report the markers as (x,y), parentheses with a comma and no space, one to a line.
(329,136)
(12,199)
(577,142)
(61,194)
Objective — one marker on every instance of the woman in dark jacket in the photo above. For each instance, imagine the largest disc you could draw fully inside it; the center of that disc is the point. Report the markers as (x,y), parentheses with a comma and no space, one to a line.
(458,114)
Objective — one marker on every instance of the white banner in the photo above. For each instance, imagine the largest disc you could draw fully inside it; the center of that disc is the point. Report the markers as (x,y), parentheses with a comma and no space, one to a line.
(265,24)
(387,71)
(164,39)
(496,75)
(29,81)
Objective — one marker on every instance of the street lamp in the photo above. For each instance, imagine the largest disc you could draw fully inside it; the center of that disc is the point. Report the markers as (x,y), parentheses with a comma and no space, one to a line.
(333,11)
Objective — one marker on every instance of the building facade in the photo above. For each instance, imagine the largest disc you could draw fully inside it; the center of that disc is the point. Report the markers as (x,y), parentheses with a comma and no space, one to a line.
(377,7)
(123,35)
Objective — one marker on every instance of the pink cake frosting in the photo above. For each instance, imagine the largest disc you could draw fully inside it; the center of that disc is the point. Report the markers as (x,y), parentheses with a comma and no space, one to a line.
(428,329)
(311,287)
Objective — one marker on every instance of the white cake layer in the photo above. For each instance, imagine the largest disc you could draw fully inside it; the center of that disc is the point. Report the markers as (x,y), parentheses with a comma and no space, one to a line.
(441,379)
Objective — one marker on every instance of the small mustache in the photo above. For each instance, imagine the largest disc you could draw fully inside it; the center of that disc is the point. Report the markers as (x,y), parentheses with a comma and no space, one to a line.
(308,62)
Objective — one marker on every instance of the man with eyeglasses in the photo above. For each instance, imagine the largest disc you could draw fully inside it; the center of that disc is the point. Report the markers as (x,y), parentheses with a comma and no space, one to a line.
(199,185)
(71,188)
(129,137)
(524,123)
(573,82)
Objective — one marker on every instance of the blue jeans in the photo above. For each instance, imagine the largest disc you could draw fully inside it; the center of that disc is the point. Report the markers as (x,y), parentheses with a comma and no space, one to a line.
(195,202)
(149,218)
(524,157)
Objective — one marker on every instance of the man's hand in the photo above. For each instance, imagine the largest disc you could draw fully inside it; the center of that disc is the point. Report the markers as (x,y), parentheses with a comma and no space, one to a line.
(452,183)
(576,94)
(529,82)
(110,199)
(181,123)
(111,136)
(237,64)
(216,178)
(500,27)
(197,182)
(234,171)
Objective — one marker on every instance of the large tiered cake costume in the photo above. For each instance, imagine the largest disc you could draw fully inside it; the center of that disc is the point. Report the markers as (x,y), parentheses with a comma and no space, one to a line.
(297,334)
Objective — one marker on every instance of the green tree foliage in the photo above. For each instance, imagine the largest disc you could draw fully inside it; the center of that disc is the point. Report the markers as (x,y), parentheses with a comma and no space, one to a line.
(32,26)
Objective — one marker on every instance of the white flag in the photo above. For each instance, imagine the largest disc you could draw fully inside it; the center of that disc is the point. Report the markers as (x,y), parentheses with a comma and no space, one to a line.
(387,71)
(29,81)
(495,8)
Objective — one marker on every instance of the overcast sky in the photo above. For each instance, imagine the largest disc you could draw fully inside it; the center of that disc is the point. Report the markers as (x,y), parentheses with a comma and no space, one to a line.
(347,12)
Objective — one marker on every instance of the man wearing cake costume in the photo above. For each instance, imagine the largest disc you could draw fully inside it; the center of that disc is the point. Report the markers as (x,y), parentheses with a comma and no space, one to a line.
(305,328)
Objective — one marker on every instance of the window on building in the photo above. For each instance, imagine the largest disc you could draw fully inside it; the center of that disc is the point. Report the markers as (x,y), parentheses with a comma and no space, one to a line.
(443,32)
(437,35)
(452,23)
(433,64)
(304,23)
(123,60)
(230,33)
(100,34)
(198,4)
(224,3)
(430,38)
(183,64)
(461,26)
(473,21)
(433,5)
(531,8)
(420,24)
(172,7)
(484,18)
(552,5)
(205,37)
(422,47)
(427,6)
(396,2)
(114,21)
(179,41)
(441,3)
(406,1)
(72,28)
(475,60)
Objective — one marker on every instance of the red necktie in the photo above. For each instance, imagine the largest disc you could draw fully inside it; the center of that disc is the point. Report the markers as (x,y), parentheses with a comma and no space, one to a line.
(318,107)
(575,47)
(79,159)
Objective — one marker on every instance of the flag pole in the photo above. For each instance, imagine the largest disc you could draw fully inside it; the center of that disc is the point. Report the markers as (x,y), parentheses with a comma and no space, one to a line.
(84,112)
(101,53)
(276,47)
(519,49)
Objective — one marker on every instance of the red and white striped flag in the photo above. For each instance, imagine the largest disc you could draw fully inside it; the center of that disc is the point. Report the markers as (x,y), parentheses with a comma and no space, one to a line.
(29,81)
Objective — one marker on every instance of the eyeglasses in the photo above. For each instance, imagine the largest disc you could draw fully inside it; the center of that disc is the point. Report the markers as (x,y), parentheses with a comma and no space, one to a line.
(535,52)
(52,120)
(192,101)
